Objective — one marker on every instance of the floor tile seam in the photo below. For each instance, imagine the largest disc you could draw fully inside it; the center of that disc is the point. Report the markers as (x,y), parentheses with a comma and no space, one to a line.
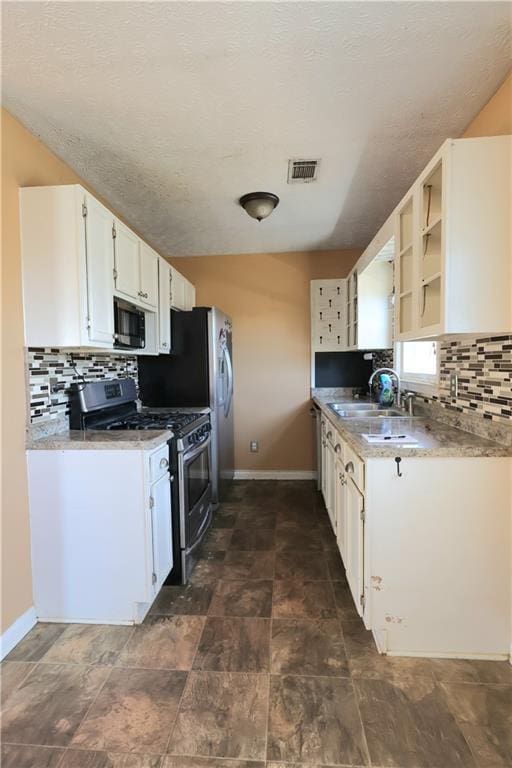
(459,723)
(185,687)
(79,748)
(90,663)
(271,632)
(33,665)
(94,700)
(361,722)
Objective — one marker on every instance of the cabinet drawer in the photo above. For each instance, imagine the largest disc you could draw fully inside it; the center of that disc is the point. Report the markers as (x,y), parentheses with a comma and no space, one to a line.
(158,463)
(354,466)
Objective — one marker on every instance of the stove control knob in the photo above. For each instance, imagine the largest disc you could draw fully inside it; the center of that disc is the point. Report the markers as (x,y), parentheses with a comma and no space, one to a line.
(191,439)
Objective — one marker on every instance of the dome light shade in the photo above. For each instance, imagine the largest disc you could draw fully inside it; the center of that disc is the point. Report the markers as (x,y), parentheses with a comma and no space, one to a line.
(259,205)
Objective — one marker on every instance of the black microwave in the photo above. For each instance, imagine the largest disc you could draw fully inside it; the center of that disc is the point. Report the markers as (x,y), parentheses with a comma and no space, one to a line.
(129,326)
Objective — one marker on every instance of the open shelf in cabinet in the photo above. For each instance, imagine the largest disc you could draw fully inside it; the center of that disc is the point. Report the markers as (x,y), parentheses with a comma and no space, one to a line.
(406,270)
(405,232)
(432,194)
(405,313)
(431,261)
(430,300)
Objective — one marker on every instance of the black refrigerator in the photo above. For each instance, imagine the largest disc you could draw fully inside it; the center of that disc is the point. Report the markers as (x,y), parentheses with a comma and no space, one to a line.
(198,372)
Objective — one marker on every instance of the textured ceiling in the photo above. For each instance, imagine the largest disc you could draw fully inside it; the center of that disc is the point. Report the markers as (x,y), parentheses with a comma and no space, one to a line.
(173,110)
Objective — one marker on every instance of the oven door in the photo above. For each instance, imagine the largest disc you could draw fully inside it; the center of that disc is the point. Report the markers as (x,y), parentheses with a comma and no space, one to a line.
(194,469)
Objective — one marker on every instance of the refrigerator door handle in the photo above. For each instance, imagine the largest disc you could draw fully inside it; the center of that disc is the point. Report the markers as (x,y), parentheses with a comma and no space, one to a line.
(229,367)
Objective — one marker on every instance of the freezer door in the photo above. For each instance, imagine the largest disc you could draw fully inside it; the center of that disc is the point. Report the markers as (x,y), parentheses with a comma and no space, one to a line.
(223,454)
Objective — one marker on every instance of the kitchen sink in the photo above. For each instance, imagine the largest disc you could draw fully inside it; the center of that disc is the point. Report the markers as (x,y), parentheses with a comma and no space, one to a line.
(367,411)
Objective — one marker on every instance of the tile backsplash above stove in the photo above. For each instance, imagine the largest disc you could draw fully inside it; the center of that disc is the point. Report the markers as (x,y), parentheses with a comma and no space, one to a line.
(52,371)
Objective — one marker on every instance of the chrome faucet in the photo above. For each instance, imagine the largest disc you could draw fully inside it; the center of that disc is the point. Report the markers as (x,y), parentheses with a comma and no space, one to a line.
(392,372)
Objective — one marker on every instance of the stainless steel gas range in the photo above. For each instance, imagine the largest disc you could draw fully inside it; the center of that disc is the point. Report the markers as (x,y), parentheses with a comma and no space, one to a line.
(112,405)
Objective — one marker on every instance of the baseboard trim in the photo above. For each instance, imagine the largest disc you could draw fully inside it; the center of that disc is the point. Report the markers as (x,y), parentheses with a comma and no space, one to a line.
(274,474)
(17,631)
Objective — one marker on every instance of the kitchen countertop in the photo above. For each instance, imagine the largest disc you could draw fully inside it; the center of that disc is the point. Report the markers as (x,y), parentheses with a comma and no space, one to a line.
(434,437)
(114,439)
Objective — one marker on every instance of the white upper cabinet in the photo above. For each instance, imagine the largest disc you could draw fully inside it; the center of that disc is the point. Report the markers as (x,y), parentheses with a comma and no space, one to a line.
(136,268)
(183,293)
(76,256)
(453,246)
(190,295)
(148,275)
(99,261)
(370,294)
(164,306)
(328,315)
(127,262)
(67,261)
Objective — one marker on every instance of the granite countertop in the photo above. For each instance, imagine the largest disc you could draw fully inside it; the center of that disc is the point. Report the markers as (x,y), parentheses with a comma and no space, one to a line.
(114,439)
(434,437)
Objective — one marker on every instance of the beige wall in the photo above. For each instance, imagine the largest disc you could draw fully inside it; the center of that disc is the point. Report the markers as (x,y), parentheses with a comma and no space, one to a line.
(495,119)
(25,162)
(267,296)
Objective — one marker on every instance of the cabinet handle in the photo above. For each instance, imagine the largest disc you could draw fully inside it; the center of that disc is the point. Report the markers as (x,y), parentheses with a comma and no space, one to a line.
(349,468)
(139,293)
(164,463)
(337,448)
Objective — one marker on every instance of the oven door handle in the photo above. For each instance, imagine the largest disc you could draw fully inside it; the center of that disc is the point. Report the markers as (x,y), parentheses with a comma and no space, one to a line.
(191,455)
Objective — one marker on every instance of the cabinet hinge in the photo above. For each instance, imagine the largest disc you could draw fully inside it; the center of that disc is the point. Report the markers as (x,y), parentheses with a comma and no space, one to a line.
(114,233)
(84,210)
(88,323)
(362,514)
(153,578)
(114,272)
(362,600)
(151,502)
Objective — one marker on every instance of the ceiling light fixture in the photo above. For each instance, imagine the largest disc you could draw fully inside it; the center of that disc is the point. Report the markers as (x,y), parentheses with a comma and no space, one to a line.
(259,205)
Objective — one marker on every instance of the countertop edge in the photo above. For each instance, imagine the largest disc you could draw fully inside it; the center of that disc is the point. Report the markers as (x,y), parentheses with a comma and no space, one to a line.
(492,450)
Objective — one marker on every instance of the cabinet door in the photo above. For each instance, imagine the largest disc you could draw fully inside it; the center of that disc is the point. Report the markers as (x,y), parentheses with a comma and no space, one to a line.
(127,262)
(341,509)
(148,276)
(177,290)
(323,451)
(190,295)
(161,530)
(164,306)
(354,563)
(99,249)
(330,464)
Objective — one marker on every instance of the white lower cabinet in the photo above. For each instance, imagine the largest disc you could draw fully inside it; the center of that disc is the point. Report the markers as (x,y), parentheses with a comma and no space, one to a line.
(354,549)
(341,509)
(426,552)
(100,533)
(160,503)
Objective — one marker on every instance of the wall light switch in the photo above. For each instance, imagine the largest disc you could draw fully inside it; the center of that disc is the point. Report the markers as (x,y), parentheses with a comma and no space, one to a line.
(454,384)
(254,446)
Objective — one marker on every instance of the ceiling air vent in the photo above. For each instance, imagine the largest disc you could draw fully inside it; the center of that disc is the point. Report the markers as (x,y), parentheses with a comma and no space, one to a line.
(302,171)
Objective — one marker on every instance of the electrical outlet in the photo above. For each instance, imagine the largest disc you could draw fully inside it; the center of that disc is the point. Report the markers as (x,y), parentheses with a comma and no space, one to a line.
(53,384)
(254,446)
(454,384)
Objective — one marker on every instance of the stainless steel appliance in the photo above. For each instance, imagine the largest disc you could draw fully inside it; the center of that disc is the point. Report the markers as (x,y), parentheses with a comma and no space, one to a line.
(129,325)
(112,405)
(198,372)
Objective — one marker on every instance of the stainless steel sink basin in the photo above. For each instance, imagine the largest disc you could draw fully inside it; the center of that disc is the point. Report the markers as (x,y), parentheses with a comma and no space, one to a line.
(355,406)
(367,411)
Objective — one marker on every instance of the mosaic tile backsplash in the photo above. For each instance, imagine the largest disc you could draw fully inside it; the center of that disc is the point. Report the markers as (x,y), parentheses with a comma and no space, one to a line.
(484,368)
(51,372)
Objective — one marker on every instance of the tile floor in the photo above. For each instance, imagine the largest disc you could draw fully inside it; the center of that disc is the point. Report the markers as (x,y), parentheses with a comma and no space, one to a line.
(260,661)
